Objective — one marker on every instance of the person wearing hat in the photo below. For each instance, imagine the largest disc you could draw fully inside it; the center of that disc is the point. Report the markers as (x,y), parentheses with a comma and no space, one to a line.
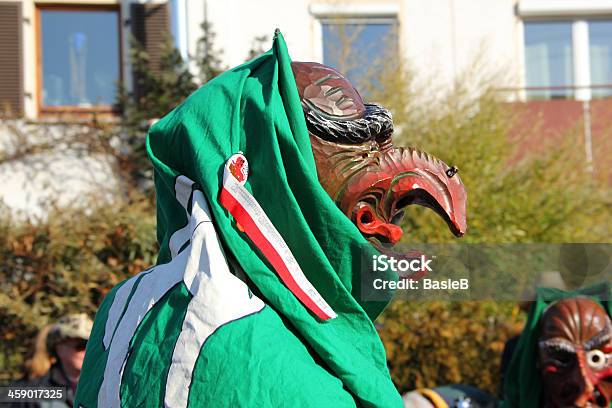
(62,350)
(449,396)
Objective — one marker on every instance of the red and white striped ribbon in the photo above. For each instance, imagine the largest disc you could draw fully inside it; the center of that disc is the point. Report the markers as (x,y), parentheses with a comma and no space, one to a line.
(248,213)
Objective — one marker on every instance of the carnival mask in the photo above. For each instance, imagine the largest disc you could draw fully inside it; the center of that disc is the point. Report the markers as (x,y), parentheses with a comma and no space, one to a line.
(370,179)
(574,354)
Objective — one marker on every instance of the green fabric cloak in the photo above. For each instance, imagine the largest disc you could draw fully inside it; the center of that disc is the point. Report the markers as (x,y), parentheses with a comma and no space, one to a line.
(282,355)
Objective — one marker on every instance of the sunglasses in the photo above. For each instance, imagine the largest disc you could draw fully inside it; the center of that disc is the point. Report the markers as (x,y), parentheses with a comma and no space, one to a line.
(77,345)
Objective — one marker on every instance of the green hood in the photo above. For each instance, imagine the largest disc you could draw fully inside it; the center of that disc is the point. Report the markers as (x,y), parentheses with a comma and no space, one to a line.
(255,109)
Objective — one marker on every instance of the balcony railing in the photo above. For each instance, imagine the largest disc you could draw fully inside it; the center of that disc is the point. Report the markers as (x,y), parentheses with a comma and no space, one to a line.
(570,92)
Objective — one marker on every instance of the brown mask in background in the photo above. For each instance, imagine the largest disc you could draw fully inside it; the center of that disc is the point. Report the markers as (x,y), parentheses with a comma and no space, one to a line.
(370,179)
(574,347)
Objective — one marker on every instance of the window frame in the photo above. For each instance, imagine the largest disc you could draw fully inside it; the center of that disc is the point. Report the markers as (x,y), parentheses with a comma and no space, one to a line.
(364,13)
(392,22)
(78,111)
(579,14)
(573,88)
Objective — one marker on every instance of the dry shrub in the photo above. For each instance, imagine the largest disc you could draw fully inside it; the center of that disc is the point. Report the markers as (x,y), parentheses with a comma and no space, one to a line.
(66,264)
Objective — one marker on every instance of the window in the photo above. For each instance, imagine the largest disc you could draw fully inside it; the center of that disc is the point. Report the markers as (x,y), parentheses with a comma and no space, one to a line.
(360,48)
(548,56)
(79,57)
(600,53)
(568,59)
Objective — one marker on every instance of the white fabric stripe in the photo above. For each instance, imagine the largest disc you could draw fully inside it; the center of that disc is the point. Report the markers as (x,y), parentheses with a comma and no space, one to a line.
(182,190)
(263,223)
(179,238)
(199,215)
(118,306)
(219,298)
(149,290)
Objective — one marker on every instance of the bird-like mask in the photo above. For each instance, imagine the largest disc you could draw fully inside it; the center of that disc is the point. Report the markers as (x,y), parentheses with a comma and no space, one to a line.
(370,179)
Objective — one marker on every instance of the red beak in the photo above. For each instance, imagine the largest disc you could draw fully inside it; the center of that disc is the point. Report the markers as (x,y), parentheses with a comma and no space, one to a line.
(404,177)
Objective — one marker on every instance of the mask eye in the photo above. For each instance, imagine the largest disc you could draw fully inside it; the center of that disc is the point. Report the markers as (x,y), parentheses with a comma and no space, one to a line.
(563,359)
(596,359)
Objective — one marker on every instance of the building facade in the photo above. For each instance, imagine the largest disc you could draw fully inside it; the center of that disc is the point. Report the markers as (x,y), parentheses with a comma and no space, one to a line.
(64,59)
(66,55)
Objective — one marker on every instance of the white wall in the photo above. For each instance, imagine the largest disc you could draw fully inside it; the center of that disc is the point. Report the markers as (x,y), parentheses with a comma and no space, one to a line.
(29,59)
(238,22)
(444,38)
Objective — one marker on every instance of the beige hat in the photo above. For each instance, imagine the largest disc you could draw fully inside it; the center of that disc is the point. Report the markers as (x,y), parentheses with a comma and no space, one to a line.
(549,279)
(414,399)
(74,326)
